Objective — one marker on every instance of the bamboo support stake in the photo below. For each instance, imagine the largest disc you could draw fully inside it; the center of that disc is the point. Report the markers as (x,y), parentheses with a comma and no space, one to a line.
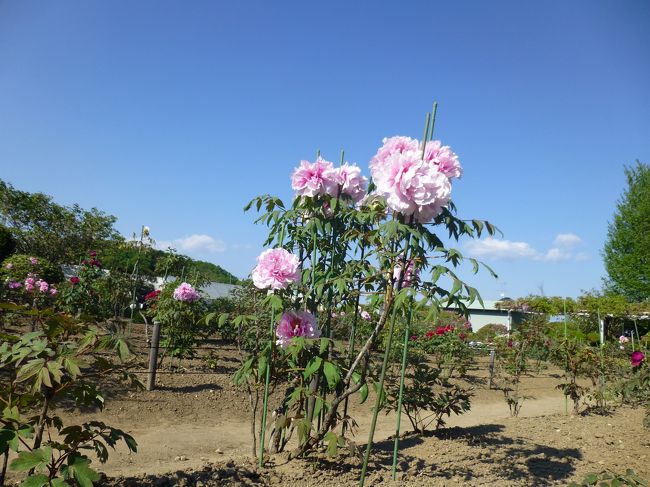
(380,399)
(267,381)
(398,421)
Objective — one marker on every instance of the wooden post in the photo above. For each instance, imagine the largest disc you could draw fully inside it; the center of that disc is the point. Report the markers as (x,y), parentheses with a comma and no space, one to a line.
(491,368)
(153,356)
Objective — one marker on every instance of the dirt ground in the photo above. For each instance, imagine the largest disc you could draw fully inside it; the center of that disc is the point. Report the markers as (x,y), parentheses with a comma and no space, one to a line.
(193,430)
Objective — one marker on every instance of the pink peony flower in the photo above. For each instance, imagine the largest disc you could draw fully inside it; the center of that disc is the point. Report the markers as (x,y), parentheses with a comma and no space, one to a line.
(410,185)
(636,358)
(311,179)
(276,269)
(296,324)
(53,291)
(9,265)
(623,339)
(410,275)
(444,158)
(42,286)
(30,284)
(365,315)
(33,260)
(186,293)
(392,145)
(350,181)
(14,284)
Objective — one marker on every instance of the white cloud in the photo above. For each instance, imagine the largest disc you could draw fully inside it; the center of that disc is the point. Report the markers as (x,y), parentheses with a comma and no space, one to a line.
(198,243)
(566,240)
(555,254)
(496,249)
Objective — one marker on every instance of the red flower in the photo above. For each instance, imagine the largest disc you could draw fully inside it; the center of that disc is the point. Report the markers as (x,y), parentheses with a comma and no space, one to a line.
(95,263)
(440,330)
(430,333)
(152,295)
(462,336)
(636,358)
(74,280)
(509,343)
(93,254)
(414,337)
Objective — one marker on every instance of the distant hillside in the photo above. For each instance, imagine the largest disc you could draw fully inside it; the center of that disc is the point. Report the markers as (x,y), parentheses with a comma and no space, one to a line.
(155,262)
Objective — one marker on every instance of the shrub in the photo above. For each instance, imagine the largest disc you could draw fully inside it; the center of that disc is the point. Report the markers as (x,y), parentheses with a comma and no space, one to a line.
(16,267)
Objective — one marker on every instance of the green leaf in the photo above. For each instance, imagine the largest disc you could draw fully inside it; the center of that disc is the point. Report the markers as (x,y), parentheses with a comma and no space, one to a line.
(30,369)
(79,468)
(7,438)
(363,393)
(32,459)
(262,365)
(590,479)
(332,443)
(332,374)
(35,481)
(222,319)
(324,344)
(59,483)
(313,366)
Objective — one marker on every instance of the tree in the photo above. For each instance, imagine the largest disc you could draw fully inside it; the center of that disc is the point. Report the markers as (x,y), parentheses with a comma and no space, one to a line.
(627,250)
(43,228)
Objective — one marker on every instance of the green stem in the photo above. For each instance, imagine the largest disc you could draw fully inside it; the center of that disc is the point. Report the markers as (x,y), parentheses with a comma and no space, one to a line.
(398,421)
(353,332)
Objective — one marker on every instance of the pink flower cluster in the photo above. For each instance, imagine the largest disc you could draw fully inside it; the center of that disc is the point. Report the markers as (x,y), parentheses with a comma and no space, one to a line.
(32,284)
(321,177)
(186,293)
(413,185)
(276,269)
(296,324)
(410,276)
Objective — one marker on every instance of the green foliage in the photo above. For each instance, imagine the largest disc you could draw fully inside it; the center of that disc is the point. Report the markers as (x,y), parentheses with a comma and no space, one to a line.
(61,362)
(153,262)
(446,347)
(635,390)
(489,332)
(96,294)
(628,238)
(608,478)
(428,394)
(515,354)
(43,228)
(7,243)
(183,324)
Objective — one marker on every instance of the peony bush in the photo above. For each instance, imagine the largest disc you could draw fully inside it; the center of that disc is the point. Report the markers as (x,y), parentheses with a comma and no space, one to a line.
(366,251)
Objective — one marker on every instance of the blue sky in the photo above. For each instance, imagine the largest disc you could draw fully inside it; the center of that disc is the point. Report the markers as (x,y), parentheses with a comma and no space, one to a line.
(174,114)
